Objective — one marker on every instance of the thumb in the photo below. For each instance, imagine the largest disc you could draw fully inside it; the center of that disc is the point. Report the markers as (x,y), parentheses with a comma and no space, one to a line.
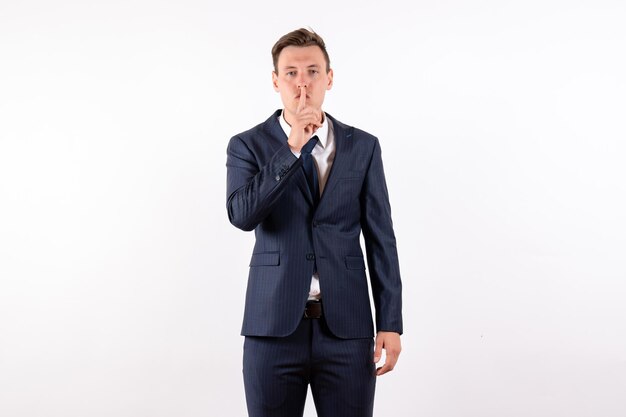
(379,349)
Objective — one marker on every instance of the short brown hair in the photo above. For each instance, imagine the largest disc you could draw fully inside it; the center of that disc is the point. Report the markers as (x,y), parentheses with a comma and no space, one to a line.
(301,38)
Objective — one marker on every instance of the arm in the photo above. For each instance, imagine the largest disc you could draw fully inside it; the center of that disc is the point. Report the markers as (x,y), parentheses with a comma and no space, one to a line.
(252,190)
(382,259)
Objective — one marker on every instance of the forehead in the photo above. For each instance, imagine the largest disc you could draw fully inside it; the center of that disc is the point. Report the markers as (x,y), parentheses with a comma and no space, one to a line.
(301,56)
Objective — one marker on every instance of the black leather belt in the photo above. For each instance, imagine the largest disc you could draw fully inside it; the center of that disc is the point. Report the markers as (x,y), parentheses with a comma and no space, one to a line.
(313,309)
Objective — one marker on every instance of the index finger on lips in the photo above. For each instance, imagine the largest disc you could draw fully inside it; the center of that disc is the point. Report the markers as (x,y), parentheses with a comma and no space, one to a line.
(302,102)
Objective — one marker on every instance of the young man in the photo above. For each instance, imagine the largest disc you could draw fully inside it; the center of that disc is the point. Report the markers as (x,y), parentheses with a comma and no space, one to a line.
(308,185)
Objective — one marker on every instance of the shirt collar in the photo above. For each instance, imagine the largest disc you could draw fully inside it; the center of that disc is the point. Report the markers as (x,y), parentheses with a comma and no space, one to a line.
(321,132)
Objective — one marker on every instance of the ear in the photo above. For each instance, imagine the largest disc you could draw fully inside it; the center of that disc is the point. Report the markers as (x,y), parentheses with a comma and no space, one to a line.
(275,81)
(330,79)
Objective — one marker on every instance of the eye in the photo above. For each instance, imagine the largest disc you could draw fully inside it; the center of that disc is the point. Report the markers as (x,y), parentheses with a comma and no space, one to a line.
(291,73)
(313,71)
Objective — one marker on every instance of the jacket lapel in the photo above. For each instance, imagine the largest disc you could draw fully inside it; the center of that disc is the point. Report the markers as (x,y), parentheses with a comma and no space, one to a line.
(343,145)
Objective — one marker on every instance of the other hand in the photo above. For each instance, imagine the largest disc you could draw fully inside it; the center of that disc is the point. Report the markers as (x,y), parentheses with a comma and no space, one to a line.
(390,341)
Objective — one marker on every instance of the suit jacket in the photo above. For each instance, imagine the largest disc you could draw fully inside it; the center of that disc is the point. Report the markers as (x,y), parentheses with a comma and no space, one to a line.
(267,192)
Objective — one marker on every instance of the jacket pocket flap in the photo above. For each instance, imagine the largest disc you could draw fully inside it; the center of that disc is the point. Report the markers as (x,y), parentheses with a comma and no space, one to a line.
(265,258)
(355,262)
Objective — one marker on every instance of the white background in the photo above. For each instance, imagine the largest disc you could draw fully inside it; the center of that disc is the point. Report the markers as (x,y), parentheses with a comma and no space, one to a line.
(502,128)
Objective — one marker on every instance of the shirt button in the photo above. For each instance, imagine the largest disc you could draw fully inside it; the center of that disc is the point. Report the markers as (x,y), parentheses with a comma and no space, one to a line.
(277,178)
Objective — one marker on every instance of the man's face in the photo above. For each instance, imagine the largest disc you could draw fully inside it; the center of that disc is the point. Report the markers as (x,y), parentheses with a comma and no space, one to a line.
(302,67)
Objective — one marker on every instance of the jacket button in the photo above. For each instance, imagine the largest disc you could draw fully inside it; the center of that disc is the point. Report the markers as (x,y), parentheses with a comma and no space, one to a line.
(310,256)
(315,224)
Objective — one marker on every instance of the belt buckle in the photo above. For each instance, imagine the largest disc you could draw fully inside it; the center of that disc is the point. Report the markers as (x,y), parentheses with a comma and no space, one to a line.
(317,316)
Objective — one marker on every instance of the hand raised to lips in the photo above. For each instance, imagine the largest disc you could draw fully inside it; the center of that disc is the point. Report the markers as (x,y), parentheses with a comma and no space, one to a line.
(306,121)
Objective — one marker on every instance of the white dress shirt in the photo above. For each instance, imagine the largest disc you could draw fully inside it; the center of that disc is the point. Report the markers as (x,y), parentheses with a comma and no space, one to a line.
(323,155)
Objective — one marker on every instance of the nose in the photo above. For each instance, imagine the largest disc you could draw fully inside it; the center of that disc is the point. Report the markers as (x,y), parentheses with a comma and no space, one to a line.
(303,80)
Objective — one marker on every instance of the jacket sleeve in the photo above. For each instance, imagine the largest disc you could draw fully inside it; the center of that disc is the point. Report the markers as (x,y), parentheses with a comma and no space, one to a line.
(252,190)
(380,245)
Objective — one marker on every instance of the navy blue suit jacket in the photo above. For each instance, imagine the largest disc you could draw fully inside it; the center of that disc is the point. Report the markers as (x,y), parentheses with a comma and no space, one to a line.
(267,192)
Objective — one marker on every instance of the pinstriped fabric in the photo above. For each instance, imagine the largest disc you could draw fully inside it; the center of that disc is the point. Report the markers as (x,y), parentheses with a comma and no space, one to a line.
(340,371)
(267,192)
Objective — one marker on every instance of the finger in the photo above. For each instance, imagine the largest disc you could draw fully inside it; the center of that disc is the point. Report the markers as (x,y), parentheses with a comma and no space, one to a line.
(307,114)
(387,367)
(318,114)
(302,102)
(308,119)
(379,349)
(391,360)
(390,363)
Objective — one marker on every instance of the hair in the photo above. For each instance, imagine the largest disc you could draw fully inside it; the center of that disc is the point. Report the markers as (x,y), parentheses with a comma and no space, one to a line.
(300,38)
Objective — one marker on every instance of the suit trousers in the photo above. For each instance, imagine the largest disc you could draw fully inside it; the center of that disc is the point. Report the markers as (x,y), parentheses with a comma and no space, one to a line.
(278,370)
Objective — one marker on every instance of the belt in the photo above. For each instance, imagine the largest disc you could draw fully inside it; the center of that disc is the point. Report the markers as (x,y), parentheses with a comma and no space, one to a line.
(313,309)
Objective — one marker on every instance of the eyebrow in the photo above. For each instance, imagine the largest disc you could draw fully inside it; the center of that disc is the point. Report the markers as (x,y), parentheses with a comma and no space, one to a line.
(292,67)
